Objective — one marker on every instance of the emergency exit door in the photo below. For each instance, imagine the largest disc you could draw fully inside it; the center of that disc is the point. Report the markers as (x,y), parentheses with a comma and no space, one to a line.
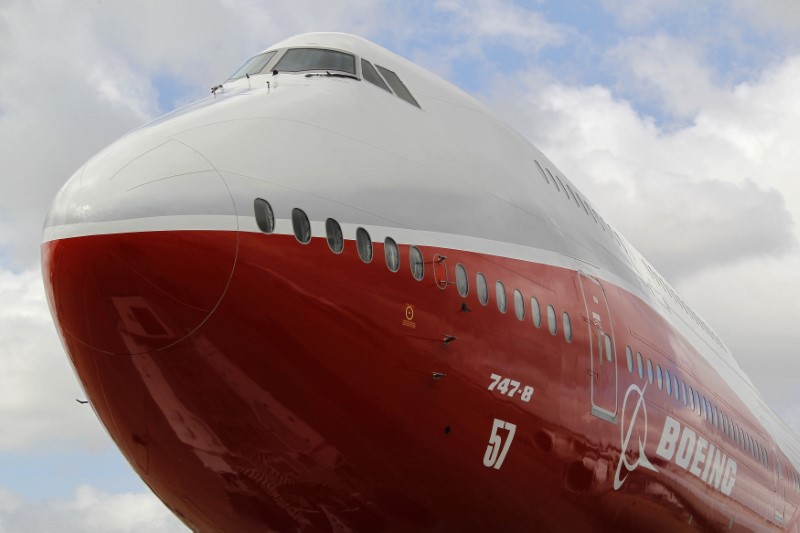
(602,357)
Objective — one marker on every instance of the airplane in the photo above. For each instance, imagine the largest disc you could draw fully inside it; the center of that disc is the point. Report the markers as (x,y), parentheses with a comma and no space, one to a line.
(340,294)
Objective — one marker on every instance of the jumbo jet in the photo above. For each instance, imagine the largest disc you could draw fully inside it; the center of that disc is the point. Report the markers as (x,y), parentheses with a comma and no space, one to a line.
(339,294)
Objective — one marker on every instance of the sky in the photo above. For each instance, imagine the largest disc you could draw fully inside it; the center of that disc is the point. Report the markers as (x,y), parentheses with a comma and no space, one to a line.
(679,119)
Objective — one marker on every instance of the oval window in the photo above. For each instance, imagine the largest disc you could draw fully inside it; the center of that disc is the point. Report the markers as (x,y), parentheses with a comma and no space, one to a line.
(536,312)
(519,305)
(609,348)
(551,320)
(462,283)
(660,377)
(483,289)
(301,225)
(629,356)
(649,370)
(334,233)
(364,245)
(264,216)
(675,387)
(691,398)
(500,293)
(683,392)
(567,326)
(668,382)
(417,266)
(640,364)
(392,254)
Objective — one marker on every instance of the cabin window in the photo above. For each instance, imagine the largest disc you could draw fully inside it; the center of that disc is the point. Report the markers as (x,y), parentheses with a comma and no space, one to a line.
(675,387)
(546,179)
(551,320)
(609,348)
(364,245)
(482,287)
(552,178)
(703,407)
(264,216)
(333,231)
(462,283)
(300,59)
(659,377)
(668,382)
(697,401)
(683,391)
(629,357)
(649,370)
(397,85)
(392,254)
(301,225)
(500,294)
(519,305)
(417,265)
(252,66)
(691,397)
(371,75)
(536,312)
(640,364)
(567,323)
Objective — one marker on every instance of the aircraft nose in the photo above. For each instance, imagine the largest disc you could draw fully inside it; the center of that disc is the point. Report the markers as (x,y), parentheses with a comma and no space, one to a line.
(140,245)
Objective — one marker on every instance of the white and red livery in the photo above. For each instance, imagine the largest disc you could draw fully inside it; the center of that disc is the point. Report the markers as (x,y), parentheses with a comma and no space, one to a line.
(340,294)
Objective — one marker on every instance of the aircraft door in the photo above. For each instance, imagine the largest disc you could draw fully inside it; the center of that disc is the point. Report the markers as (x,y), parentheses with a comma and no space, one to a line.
(602,367)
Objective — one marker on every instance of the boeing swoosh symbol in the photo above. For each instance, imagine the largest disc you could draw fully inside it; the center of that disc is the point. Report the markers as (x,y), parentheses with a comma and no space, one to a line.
(625,437)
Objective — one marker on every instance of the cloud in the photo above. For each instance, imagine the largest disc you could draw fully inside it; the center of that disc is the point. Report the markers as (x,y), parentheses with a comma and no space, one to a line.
(718,190)
(87,510)
(37,385)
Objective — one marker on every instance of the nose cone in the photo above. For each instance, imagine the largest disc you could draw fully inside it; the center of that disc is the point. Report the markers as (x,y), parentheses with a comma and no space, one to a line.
(140,246)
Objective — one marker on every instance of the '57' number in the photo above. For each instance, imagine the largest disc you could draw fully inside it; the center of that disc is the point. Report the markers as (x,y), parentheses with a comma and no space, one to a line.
(497,449)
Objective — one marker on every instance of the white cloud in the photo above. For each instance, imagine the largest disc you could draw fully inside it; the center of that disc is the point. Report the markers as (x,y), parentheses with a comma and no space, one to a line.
(641,13)
(87,510)
(37,385)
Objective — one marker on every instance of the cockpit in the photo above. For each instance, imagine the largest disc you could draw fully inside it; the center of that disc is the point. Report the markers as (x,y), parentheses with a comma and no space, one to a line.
(324,62)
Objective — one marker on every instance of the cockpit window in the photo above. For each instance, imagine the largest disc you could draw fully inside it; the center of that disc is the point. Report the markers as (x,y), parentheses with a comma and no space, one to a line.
(397,86)
(254,65)
(300,59)
(372,76)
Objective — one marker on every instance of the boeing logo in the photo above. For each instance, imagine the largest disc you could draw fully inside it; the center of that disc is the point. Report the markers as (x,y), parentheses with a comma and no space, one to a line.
(625,433)
(680,445)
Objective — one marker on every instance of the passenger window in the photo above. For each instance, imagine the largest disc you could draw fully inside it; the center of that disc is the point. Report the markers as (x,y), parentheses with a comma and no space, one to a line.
(668,382)
(629,357)
(301,225)
(364,245)
(300,59)
(640,364)
(697,401)
(546,179)
(609,348)
(536,312)
(500,294)
(417,265)
(392,254)
(568,327)
(659,377)
(397,86)
(462,283)
(334,234)
(683,391)
(691,397)
(649,370)
(519,305)
(703,410)
(552,178)
(264,216)
(675,387)
(372,76)
(483,289)
(551,320)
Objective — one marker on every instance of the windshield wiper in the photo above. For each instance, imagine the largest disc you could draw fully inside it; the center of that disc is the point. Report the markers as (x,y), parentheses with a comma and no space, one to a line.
(329,74)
